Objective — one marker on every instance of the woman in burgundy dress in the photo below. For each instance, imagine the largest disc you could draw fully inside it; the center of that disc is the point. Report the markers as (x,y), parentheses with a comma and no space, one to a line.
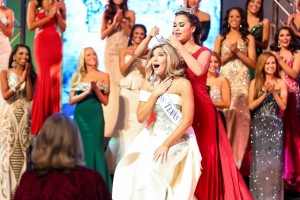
(48,18)
(58,171)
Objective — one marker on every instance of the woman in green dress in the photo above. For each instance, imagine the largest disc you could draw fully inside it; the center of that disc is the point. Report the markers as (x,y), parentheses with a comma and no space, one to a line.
(259,27)
(89,90)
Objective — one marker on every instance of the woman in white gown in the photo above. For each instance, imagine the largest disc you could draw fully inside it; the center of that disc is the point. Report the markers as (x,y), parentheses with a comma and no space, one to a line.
(164,160)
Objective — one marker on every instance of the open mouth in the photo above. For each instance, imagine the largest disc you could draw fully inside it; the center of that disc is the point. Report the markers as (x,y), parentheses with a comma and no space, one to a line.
(155,65)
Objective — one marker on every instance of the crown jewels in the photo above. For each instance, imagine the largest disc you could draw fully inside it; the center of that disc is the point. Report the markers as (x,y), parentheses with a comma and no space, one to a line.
(187,10)
(161,39)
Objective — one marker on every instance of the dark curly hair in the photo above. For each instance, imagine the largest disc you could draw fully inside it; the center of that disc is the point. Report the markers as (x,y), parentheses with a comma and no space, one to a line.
(194,20)
(260,13)
(244,24)
(133,29)
(293,46)
(111,9)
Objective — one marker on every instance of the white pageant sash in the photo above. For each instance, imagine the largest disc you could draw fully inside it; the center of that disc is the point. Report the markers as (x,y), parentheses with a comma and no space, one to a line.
(172,111)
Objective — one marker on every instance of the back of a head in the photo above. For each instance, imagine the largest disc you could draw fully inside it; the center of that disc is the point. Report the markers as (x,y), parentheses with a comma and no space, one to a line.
(58,145)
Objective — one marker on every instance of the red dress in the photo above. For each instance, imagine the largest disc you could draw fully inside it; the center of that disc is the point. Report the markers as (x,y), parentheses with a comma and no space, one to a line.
(220,178)
(48,57)
(80,184)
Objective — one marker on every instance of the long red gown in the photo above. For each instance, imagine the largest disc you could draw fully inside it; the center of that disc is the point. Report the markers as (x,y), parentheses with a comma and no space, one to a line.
(48,57)
(220,178)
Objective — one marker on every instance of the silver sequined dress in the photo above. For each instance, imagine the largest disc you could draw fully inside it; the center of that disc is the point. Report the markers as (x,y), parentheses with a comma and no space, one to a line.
(266,179)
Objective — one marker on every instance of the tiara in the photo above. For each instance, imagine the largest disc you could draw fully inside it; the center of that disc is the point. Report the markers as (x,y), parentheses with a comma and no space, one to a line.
(161,39)
(187,10)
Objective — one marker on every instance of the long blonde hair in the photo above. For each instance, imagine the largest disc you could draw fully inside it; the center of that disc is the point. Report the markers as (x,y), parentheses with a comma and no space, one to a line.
(58,144)
(260,74)
(174,68)
(81,68)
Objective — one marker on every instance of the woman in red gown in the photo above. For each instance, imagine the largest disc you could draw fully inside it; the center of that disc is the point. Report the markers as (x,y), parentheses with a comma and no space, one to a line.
(220,178)
(46,16)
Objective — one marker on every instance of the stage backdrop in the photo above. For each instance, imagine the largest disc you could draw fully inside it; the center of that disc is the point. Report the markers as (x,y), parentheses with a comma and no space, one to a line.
(84,24)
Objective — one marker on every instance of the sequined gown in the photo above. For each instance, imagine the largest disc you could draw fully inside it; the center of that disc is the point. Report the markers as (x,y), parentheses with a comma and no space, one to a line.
(5,50)
(15,139)
(118,40)
(220,178)
(237,116)
(138,177)
(266,179)
(291,139)
(127,126)
(88,115)
(48,56)
(257,32)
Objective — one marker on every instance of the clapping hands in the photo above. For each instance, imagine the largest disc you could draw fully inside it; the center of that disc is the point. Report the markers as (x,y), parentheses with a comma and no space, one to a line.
(269,86)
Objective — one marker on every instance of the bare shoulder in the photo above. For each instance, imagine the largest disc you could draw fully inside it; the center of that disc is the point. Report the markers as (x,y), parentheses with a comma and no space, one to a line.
(250,37)
(203,16)
(219,38)
(266,21)
(3,73)
(182,83)
(279,81)
(129,13)
(103,76)
(147,86)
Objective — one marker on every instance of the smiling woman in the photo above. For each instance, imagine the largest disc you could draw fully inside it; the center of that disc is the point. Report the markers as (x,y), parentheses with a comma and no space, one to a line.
(89,91)
(236,46)
(17,88)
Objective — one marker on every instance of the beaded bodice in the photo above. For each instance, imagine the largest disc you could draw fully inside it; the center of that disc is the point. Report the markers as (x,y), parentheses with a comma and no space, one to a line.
(225,49)
(215,90)
(267,107)
(84,86)
(163,123)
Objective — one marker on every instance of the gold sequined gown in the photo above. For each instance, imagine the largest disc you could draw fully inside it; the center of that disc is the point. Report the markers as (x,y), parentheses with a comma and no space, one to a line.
(15,139)
(238,115)
(266,174)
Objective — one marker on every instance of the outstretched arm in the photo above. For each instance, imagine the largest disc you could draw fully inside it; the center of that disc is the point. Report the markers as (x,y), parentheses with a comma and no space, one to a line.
(144,44)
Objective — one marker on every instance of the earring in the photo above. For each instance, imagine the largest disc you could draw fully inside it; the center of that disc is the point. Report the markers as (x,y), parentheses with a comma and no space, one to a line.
(279,45)
(152,79)
(192,39)
(14,64)
(228,26)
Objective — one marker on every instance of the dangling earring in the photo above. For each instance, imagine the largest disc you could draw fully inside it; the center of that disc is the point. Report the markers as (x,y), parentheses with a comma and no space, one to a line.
(152,79)
(241,26)
(279,45)
(14,64)
(192,38)
(228,26)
